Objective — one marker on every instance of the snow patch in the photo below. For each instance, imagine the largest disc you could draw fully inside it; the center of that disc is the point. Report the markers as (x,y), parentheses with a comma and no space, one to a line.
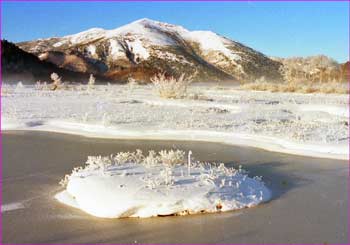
(332,110)
(210,41)
(92,50)
(137,48)
(116,51)
(191,103)
(11,206)
(109,188)
(59,44)
(86,36)
(154,34)
(171,56)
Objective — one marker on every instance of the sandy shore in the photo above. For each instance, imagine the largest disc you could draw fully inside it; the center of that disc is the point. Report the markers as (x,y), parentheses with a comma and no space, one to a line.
(309,202)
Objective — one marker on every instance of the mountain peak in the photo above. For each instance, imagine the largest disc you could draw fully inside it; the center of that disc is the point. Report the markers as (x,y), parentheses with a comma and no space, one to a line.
(146,23)
(145,20)
(145,47)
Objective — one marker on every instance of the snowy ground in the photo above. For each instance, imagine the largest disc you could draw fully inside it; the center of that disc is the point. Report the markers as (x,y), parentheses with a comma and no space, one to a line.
(305,124)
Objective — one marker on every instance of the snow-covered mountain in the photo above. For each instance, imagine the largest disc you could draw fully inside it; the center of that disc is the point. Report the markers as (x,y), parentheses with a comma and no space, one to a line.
(145,47)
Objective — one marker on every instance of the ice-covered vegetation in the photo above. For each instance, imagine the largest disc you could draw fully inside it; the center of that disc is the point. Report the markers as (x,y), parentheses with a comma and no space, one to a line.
(57,82)
(170,87)
(131,184)
(91,82)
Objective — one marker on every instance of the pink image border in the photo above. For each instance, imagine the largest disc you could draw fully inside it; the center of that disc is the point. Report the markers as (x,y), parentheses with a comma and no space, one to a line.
(1,1)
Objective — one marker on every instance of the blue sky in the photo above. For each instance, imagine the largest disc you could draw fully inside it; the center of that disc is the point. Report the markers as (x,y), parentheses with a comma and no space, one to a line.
(278,29)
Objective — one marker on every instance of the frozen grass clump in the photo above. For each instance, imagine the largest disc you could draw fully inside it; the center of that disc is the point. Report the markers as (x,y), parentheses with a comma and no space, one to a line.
(171,87)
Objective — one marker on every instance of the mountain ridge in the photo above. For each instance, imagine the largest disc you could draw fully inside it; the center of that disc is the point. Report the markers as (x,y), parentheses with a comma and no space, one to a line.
(145,47)
(18,64)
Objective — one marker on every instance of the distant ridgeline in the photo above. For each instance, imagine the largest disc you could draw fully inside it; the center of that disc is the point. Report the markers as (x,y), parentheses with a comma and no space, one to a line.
(145,47)
(318,68)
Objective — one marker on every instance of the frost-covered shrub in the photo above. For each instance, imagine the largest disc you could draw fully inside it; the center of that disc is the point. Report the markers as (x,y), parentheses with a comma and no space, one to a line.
(125,157)
(167,175)
(41,85)
(98,162)
(166,159)
(57,82)
(172,157)
(91,82)
(171,87)
(122,157)
(151,160)
(137,156)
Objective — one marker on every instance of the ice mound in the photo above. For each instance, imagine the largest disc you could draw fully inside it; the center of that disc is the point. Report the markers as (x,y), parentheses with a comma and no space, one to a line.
(164,183)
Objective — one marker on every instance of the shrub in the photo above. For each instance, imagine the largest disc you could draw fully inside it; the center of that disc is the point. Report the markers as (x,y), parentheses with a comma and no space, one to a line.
(41,85)
(171,87)
(172,157)
(91,82)
(166,161)
(57,82)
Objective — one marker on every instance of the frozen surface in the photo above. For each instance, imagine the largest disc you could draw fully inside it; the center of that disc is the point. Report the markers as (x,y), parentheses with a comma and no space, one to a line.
(305,124)
(117,186)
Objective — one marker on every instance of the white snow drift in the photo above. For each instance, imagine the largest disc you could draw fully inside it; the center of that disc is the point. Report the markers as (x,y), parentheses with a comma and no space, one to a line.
(134,185)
